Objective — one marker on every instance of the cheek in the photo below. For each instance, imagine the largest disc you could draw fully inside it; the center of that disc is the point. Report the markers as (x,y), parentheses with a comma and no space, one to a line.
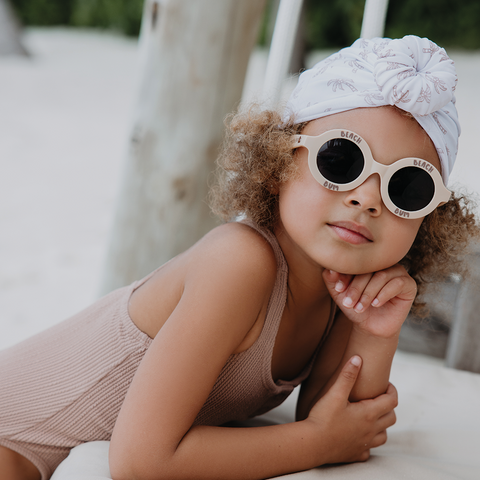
(293,206)
(303,200)
(402,235)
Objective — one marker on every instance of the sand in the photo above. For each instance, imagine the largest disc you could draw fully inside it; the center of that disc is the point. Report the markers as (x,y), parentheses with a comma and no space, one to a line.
(64,121)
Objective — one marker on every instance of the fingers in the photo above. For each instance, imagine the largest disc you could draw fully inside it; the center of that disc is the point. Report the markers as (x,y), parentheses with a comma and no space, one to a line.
(381,409)
(336,282)
(359,292)
(392,392)
(347,290)
(390,396)
(346,380)
(364,456)
(403,288)
(387,421)
(379,439)
(385,403)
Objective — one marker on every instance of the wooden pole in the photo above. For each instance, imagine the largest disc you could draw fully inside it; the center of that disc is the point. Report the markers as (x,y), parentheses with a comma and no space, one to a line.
(374,16)
(10,41)
(281,50)
(463,350)
(193,59)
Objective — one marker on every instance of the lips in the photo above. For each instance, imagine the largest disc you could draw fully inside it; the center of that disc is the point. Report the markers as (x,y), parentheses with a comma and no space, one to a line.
(352,232)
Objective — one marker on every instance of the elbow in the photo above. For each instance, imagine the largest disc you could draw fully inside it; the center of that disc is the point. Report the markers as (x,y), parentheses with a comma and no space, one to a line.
(121,470)
(122,467)
(132,464)
(301,412)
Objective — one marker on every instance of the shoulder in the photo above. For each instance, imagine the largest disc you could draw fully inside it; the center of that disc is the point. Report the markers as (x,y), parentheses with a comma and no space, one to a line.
(240,236)
(231,274)
(228,278)
(234,248)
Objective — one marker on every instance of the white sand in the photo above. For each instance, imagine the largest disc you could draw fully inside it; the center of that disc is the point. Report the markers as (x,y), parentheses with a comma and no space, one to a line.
(64,117)
(64,122)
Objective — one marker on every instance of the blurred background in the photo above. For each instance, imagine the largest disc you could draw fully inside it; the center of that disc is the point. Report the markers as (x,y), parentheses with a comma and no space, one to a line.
(66,108)
(327,24)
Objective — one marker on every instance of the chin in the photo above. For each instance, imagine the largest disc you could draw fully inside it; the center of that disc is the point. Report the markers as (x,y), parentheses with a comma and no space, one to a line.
(352,269)
(369,269)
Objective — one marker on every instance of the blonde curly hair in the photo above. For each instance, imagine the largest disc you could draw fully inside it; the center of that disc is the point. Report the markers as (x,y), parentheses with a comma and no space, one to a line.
(257,157)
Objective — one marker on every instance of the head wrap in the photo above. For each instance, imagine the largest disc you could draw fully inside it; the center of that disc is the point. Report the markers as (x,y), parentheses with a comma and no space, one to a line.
(412,73)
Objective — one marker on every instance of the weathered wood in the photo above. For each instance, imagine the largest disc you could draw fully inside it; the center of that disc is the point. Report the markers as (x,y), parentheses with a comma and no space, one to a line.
(297,62)
(194,56)
(374,16)
(463,351)
(10,38)
(281,48)
(452,329)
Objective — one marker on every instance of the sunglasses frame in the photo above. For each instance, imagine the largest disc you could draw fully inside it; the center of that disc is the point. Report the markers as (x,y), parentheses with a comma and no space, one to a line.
(314,143)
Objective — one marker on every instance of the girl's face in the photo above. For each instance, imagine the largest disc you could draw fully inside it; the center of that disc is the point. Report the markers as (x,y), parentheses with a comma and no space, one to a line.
(352,232)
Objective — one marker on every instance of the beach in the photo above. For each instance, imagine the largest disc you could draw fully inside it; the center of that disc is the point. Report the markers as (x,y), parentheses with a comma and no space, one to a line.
(65,116)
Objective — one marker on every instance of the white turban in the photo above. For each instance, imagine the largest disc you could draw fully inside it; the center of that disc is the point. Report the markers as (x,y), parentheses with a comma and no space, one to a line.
(412,73)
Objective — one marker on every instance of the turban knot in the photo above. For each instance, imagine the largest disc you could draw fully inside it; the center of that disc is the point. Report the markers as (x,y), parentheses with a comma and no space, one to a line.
(415,74)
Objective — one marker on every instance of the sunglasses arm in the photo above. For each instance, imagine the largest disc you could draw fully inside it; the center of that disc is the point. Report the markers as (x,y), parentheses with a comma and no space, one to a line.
(445,200)
(299,140)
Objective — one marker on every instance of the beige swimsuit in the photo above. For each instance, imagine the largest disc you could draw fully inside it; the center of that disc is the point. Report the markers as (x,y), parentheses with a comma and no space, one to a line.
(65,386)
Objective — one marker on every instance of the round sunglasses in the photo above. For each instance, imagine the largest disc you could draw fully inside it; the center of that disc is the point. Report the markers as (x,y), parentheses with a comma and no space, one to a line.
(341,160)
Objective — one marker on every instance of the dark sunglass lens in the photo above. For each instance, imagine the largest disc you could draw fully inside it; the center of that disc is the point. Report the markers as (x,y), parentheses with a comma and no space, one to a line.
(340,160)
(411,189)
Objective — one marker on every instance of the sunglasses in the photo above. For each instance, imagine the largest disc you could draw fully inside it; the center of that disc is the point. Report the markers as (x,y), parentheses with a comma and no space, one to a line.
(341,160)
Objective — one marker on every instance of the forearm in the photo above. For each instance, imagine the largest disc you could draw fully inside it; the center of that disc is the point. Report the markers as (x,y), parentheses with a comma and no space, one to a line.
(336,431)
(248,453)
(229,453)
(377,305)
(344,342)
(377,354)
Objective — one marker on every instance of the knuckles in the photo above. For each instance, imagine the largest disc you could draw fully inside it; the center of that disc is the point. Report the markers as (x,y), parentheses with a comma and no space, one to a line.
(349,375)
(394,419)
(353,292)
(382,276)
(383,438)
(365,456)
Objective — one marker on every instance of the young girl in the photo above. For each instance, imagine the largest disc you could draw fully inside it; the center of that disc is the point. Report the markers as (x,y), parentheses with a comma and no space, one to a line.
(345,215)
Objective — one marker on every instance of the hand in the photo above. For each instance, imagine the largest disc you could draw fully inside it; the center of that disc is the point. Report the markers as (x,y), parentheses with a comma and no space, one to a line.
(377,303)
(347,431)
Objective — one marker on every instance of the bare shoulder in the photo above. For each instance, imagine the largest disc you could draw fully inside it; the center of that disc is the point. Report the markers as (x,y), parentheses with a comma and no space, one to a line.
(234,246)
(230,263)
(234,269)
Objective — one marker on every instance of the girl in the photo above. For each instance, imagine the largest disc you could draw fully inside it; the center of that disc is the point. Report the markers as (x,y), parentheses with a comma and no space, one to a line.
(345,214)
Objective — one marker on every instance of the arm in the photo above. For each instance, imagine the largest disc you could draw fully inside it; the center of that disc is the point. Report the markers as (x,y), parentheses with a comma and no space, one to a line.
(377,354)
(371,332)
(154,438)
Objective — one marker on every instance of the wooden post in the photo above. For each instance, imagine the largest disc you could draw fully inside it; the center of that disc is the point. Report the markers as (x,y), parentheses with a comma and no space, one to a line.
(194,56)
(374,16)
(281,49)
(463,350)
(10,42)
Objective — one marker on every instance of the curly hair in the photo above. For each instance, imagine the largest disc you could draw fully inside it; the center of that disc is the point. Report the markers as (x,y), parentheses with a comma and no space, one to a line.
(257,157)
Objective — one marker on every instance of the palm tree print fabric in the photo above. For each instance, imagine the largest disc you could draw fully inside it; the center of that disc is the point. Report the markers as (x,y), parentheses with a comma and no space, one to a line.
(412,73)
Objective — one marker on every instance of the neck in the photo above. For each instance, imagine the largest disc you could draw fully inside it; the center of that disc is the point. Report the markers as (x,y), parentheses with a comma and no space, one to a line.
(305,280)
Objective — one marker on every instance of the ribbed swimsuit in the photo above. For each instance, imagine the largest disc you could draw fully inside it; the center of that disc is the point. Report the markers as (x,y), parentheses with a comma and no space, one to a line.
(65,386)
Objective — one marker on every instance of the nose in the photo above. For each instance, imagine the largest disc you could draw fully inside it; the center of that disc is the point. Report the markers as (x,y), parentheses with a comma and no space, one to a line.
(366,196)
